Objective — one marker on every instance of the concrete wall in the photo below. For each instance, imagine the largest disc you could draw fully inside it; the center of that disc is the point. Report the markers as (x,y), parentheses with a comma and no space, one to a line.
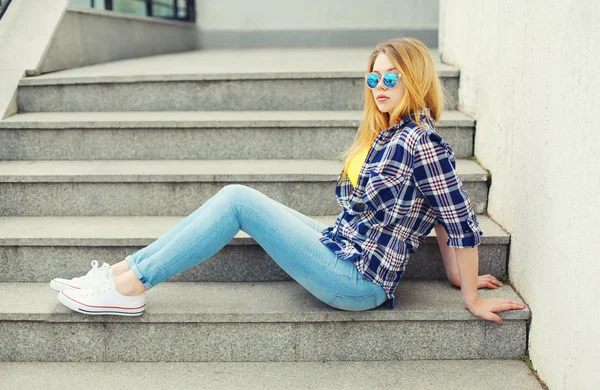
(529,75)
(234,23)
(22,47)
(87,37)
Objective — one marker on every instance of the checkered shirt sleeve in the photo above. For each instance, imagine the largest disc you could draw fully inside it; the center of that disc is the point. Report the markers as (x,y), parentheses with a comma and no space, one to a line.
(435,176)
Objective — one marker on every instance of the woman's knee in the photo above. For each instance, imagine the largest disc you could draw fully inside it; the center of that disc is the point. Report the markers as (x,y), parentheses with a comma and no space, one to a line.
(232,188)
(234,191)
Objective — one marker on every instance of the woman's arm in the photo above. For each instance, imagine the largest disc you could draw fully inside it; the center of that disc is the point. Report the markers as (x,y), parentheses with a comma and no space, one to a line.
(436,178)
(451,265)
(468,264)
(448,256)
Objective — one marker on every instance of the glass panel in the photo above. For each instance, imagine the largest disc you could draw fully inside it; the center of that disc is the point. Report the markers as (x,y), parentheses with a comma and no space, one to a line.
(182,9)
(135,7)
(98,4)
(163,8)
(160,8)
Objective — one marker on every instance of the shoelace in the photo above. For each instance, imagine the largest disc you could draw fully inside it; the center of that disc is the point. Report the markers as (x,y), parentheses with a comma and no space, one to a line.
(100,288)
(95,269)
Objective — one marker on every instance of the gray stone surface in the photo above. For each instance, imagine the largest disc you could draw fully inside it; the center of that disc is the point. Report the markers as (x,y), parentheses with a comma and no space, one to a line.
(9,79)
(197,135)
(119,171)
(89,36)
(174,143)
(236,341)
(227,65)
(42,341)
(178,187)
(234,263)
(229,341)
(478,194)
(384,375)
(67,245)
(260,302)
(409,340)
(136,231)
(242,39)
(202,119)
(253,79)
(276,321)
(149,199)
(262,92)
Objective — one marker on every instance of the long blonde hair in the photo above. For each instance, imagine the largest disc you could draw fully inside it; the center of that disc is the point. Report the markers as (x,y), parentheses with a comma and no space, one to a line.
(423,90)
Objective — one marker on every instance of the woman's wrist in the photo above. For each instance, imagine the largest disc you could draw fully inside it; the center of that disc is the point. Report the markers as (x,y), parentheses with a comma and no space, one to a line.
(468,265)
(470,300)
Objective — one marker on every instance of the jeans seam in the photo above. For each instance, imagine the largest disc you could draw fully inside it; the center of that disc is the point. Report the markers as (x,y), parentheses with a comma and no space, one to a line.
(171,260)
(372,294)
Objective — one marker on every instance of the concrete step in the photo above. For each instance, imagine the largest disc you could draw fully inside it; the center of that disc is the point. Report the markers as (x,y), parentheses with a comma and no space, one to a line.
(197,135)
(38,249)
(208,80)
(269,321)
(178,187)
(384,375)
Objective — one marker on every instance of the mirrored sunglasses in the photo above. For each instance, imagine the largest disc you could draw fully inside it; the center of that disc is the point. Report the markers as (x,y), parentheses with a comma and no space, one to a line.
(389,79)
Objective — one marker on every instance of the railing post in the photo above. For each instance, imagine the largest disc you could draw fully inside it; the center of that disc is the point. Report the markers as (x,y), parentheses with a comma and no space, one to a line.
(149,7)
(190,11)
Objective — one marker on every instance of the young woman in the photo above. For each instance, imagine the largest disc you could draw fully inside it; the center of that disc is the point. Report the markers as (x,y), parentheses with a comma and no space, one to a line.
(398,183)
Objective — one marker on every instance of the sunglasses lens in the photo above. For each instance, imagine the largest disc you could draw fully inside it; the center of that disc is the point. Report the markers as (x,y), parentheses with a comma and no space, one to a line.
(372,80)
(390,79)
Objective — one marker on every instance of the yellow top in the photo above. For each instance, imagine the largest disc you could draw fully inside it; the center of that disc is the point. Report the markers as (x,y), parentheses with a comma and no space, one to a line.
(356,164)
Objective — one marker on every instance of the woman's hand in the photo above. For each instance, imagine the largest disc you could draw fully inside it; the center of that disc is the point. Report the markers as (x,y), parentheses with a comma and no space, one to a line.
(483,281)
(485,308)
(488,281)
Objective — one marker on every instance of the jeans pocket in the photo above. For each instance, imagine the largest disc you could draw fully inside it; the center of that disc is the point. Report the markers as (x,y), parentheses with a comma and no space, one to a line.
(353,302)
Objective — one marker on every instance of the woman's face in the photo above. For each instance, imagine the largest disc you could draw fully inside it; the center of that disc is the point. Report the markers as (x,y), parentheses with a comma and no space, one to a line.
(386,98)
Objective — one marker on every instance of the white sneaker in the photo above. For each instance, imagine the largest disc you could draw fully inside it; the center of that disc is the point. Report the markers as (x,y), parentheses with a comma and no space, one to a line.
(103,299)
(94,276)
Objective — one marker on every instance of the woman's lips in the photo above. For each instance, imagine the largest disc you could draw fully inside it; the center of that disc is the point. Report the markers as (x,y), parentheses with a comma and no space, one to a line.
(382,98)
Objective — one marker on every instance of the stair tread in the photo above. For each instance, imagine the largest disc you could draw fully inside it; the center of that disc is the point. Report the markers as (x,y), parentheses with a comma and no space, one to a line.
(139,230)
(497,374)
(253,302)
(225,64)
(263,170)
(200,119)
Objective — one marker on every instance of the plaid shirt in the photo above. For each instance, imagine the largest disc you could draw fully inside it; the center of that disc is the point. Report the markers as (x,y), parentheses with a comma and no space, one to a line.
(407,185)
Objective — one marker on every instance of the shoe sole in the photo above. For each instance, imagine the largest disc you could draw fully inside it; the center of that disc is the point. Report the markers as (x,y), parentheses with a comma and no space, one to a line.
(99,310)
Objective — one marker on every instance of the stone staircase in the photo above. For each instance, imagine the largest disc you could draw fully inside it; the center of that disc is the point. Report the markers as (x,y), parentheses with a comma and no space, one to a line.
(102,160)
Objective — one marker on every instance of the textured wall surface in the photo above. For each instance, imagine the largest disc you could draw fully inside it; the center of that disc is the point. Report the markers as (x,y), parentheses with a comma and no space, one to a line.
(87,36)
(530,77)
(22,47)
(315,14)
(268,23)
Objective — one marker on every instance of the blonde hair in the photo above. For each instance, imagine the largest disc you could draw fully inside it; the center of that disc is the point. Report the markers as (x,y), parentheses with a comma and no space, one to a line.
(423,89)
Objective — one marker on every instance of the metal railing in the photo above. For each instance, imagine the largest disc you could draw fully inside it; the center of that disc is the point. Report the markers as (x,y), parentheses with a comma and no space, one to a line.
(184,10)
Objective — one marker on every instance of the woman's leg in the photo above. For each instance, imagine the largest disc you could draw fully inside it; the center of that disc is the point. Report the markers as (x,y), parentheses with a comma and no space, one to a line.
(293,244)
(123,266)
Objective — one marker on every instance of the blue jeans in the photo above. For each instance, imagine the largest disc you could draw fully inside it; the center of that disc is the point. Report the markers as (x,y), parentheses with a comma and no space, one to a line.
(289,237)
